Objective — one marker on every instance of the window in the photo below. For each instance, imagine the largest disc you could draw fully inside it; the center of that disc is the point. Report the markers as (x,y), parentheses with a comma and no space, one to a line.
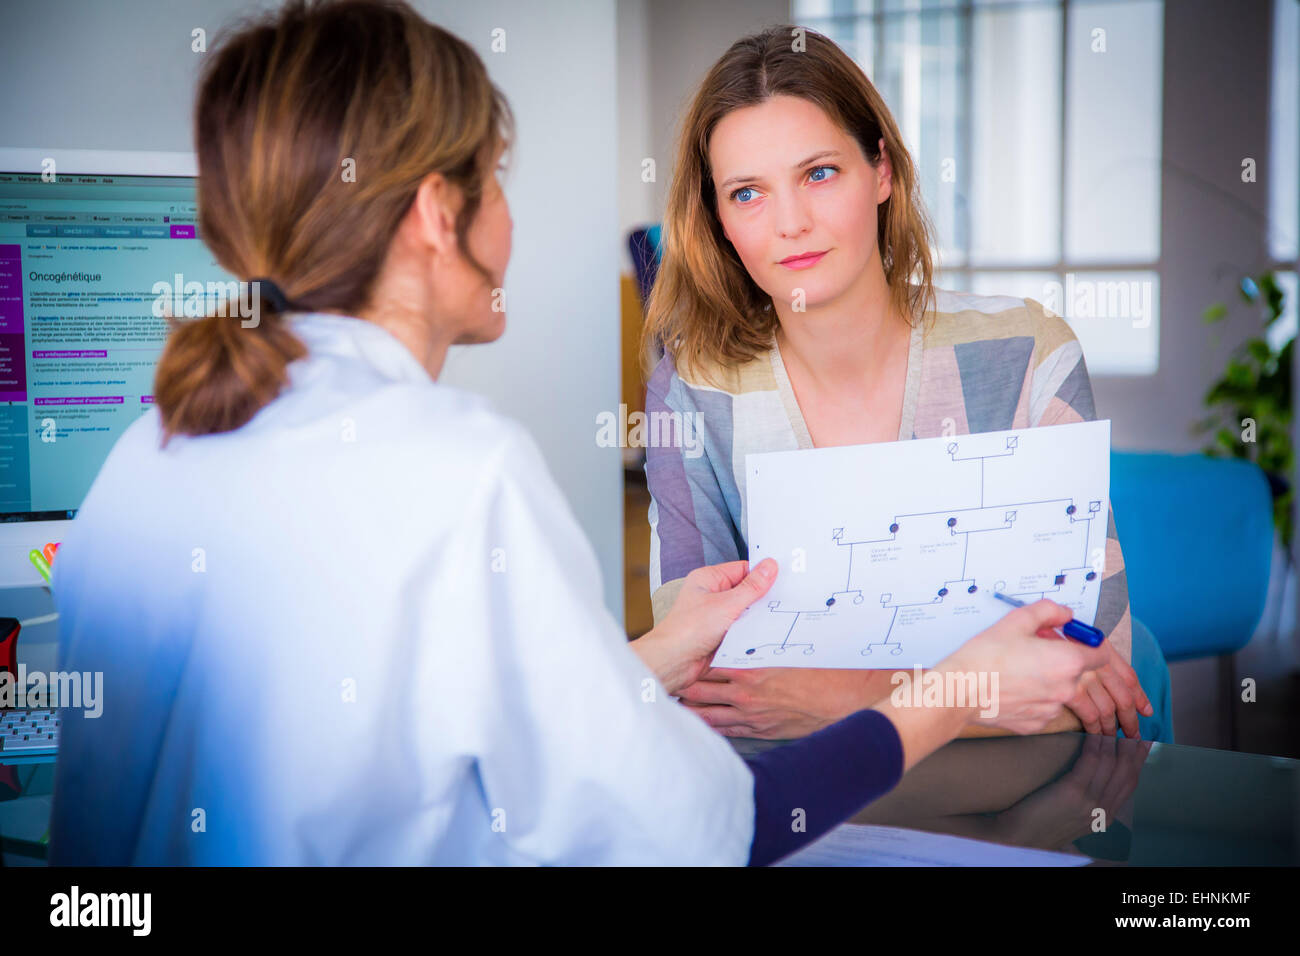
(1036,129)
(1284,163)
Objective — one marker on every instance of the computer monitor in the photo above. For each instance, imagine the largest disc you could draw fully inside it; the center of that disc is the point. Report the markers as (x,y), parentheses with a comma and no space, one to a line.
(90,243)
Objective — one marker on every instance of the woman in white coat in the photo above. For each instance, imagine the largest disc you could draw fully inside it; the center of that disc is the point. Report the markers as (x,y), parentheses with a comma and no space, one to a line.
(343,613)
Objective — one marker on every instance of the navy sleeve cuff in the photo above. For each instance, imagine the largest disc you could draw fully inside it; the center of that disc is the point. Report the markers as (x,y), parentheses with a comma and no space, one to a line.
(804,789)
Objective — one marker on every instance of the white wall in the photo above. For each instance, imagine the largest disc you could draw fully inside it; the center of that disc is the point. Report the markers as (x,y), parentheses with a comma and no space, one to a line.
(121,75)
(636,198)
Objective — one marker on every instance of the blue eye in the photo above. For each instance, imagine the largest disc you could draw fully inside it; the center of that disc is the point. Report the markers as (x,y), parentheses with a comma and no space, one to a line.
(743,189)
(813,175)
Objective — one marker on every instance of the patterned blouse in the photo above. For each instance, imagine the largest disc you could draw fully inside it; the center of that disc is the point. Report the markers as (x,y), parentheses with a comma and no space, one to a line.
(975,364)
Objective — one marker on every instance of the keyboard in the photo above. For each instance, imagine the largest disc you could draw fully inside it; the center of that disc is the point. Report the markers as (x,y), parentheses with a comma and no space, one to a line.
(25,733)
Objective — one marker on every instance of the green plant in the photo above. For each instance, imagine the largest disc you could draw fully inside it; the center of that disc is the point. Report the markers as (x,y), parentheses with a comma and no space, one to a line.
(1251,411)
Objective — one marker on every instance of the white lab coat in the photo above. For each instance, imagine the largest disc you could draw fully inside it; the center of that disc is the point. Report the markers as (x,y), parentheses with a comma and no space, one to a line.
(364,629)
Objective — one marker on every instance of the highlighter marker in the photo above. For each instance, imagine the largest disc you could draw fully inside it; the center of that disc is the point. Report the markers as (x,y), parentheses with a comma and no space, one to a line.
(41,565)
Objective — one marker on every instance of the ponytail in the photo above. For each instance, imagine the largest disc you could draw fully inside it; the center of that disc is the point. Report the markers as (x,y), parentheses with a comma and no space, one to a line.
(217,372)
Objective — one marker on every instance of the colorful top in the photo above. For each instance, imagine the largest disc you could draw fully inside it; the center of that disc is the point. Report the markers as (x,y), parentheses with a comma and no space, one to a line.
(975,364)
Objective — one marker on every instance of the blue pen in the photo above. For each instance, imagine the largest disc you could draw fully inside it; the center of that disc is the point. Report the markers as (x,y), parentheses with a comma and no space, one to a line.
(1076,630)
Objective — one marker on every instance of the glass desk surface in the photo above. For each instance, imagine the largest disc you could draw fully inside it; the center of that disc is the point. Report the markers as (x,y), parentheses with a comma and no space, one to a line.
(1165,804)
(26,786)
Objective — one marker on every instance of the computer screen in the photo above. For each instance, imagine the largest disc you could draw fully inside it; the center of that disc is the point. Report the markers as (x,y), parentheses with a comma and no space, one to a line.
(85,260)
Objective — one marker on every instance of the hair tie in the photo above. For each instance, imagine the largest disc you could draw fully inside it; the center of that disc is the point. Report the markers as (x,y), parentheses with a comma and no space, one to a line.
(272,294)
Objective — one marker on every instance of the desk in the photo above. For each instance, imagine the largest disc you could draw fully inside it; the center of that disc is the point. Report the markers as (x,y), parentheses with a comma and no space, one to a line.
(26,787)
(1166,804)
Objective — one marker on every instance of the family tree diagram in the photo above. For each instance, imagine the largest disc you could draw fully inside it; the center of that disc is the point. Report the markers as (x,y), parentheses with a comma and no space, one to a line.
(1022,513)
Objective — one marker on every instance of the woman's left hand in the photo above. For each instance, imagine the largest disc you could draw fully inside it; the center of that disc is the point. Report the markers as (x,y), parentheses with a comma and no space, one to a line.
(781,703)
(1111,696)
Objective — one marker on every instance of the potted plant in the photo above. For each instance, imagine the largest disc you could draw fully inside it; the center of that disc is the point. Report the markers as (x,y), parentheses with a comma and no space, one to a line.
(1250,404)
(1251,416)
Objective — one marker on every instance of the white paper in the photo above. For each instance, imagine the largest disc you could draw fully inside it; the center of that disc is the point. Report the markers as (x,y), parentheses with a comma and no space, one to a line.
(890,553)
(853,844)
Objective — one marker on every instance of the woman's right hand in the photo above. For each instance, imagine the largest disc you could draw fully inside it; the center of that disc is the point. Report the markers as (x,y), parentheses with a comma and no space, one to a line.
(1037,670)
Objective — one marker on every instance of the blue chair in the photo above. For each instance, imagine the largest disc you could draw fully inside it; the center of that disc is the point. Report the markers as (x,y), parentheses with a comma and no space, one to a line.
(1197,534)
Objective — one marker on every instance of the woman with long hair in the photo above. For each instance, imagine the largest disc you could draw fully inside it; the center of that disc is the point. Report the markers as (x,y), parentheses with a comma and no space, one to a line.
(796,308)
(294,671)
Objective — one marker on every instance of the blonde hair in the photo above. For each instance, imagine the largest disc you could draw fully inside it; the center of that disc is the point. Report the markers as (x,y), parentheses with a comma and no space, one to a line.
(705,309)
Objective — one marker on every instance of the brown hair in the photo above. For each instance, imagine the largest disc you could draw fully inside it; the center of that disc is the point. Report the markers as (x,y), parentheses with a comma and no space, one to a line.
(705,308)
(286,105)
